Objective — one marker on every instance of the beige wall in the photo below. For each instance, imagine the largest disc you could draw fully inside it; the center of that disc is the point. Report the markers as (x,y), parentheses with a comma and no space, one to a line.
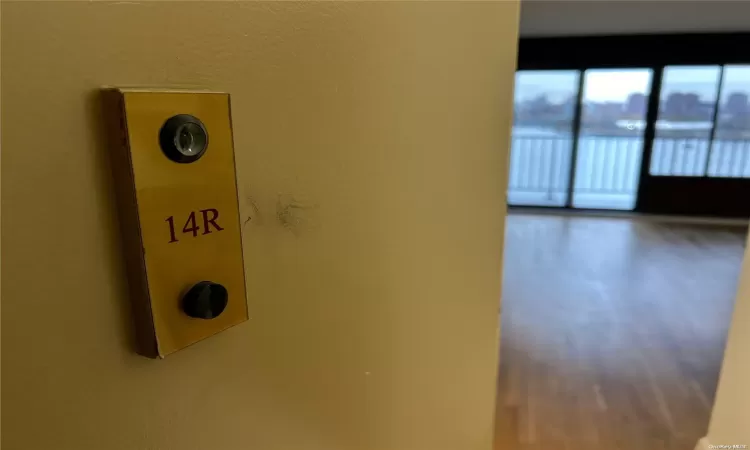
(730,418)
(373,309)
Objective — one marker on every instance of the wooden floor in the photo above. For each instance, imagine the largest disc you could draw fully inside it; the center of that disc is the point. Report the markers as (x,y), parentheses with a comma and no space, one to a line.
(612,331)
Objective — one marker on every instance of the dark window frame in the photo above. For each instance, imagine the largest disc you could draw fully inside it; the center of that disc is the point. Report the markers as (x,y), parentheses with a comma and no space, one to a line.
(654,51)
(648,50)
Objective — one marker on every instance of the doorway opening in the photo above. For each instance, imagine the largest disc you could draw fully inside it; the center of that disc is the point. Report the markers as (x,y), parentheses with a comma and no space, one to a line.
(614,327)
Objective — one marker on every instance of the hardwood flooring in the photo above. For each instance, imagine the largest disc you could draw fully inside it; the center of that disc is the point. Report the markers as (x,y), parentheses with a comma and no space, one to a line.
(613,331)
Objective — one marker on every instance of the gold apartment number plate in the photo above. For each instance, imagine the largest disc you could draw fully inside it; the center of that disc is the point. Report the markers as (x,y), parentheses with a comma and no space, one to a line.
(177,193)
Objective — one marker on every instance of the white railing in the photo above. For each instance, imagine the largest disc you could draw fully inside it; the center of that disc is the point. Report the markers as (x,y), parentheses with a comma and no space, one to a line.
(610,166)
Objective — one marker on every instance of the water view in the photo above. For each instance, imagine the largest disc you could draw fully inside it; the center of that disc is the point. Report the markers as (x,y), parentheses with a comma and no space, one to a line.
(613,119)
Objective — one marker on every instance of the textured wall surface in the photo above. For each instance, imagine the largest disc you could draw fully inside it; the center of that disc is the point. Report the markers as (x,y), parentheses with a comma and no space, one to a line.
(371,143)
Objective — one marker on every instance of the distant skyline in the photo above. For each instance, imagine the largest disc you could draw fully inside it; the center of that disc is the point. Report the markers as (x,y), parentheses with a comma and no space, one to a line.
(615,85)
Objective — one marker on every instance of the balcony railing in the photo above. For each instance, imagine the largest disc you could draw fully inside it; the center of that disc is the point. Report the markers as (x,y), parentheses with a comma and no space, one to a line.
(687,157)
(608,168)
(539,164)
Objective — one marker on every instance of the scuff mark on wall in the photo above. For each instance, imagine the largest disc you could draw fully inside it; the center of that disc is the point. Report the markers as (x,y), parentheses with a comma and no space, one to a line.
(253,216)
(294,213)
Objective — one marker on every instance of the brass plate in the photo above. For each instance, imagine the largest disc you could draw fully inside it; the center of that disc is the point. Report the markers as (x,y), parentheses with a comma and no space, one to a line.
(168,252)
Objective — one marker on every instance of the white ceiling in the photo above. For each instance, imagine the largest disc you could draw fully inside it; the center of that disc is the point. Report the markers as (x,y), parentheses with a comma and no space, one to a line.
(591,17)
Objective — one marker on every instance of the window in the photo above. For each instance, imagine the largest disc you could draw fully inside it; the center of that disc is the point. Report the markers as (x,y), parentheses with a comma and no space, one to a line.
(610,142)
(730,149)
(685,120)
(654,123)
(542,137)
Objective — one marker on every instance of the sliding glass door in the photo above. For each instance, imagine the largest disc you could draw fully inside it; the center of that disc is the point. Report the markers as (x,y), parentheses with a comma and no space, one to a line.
(578,138)
(542,137)
(730,146)
(699,158)
(610,138)
(652,123)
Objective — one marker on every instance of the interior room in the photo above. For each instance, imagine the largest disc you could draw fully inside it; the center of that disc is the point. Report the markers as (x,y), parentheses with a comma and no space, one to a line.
(628,186)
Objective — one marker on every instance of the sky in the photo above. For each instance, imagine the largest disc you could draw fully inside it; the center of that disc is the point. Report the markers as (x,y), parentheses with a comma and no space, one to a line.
(615,85)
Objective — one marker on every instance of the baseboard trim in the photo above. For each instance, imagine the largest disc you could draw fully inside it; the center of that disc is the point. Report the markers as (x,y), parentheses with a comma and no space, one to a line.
(703,444)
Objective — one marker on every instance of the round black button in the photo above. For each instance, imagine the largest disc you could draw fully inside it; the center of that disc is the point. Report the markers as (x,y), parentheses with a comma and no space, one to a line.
(205,300)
